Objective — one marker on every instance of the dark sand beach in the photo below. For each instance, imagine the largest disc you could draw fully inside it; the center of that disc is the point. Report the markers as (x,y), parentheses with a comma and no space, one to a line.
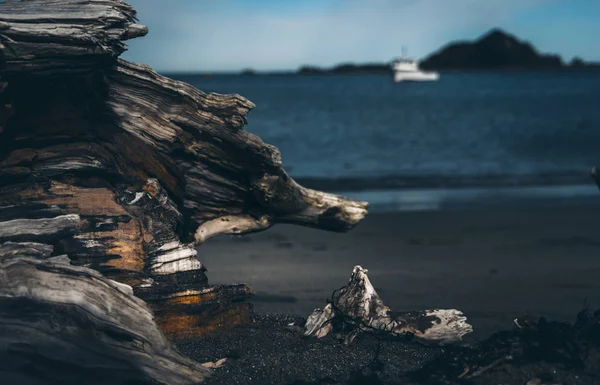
(494,265)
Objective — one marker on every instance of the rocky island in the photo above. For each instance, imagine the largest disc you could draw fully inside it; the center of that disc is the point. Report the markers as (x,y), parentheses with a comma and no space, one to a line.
(496,50)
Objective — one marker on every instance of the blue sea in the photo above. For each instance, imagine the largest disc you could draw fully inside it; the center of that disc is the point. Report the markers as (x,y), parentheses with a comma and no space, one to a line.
(468,140)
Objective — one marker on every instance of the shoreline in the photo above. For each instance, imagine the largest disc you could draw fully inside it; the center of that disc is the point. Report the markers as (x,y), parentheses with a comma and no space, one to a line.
(431,181)
(483,198)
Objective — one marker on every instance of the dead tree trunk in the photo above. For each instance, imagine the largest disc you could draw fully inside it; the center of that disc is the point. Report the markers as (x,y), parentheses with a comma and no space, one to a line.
(126,171)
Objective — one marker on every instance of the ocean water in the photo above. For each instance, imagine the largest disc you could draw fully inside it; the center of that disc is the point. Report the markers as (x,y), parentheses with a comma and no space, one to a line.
(487,138)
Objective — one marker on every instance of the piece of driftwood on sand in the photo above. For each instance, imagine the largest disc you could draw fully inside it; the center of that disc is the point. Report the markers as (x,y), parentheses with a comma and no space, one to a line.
(125,172)
(357,308)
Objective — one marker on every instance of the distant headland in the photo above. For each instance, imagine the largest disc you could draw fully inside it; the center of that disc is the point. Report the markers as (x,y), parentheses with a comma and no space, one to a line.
(346,68)
(496,50)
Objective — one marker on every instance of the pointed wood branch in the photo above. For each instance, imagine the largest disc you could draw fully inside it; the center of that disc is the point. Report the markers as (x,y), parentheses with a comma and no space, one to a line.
(234,183)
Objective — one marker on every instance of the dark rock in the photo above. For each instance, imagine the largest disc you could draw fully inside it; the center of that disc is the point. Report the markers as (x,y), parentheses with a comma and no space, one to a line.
(496,50)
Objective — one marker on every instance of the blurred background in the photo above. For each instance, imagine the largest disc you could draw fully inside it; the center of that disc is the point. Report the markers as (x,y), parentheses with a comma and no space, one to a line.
(478,178)
(362,134)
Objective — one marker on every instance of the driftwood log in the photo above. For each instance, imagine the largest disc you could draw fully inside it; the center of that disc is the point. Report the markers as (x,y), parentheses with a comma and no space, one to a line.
(122,173)
(357,308)
(127,171)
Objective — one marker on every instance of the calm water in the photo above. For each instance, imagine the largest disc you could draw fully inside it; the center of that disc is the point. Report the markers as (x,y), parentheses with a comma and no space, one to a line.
(465,131)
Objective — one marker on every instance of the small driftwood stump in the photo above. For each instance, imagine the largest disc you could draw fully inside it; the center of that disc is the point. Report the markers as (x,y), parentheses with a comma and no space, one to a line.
(126,172)
(357,308)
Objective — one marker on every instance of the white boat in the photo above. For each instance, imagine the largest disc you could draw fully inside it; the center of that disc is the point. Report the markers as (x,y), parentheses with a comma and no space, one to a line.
(407,70)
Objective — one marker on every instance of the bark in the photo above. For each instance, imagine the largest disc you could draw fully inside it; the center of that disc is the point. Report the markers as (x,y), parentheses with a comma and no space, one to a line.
(357,308)
(126,171)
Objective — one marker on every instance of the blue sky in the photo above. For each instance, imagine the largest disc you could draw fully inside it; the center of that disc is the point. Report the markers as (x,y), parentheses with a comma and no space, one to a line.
(229,35)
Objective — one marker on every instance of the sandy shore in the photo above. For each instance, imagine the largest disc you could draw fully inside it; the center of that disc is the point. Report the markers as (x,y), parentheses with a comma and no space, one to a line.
(273,350)
(492,264)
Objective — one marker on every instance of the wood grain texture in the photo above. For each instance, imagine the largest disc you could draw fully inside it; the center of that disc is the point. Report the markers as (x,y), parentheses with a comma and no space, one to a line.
(55,36)
(125,171)
(66,322)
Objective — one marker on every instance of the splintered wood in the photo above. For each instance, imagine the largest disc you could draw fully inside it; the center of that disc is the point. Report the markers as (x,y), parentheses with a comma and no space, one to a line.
(357,308)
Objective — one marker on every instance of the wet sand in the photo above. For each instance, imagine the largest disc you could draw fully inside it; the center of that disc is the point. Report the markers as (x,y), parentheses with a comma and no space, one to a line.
(492,264)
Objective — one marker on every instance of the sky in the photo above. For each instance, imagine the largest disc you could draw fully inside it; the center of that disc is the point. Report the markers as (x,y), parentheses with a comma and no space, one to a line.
(271,35)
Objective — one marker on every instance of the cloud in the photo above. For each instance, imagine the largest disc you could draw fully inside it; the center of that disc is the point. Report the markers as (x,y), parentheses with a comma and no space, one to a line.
(206,35)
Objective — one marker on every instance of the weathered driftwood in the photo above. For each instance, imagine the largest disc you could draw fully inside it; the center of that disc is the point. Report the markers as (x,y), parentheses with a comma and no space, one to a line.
(127,171)
(56,36)
(61,324)
(357,308)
